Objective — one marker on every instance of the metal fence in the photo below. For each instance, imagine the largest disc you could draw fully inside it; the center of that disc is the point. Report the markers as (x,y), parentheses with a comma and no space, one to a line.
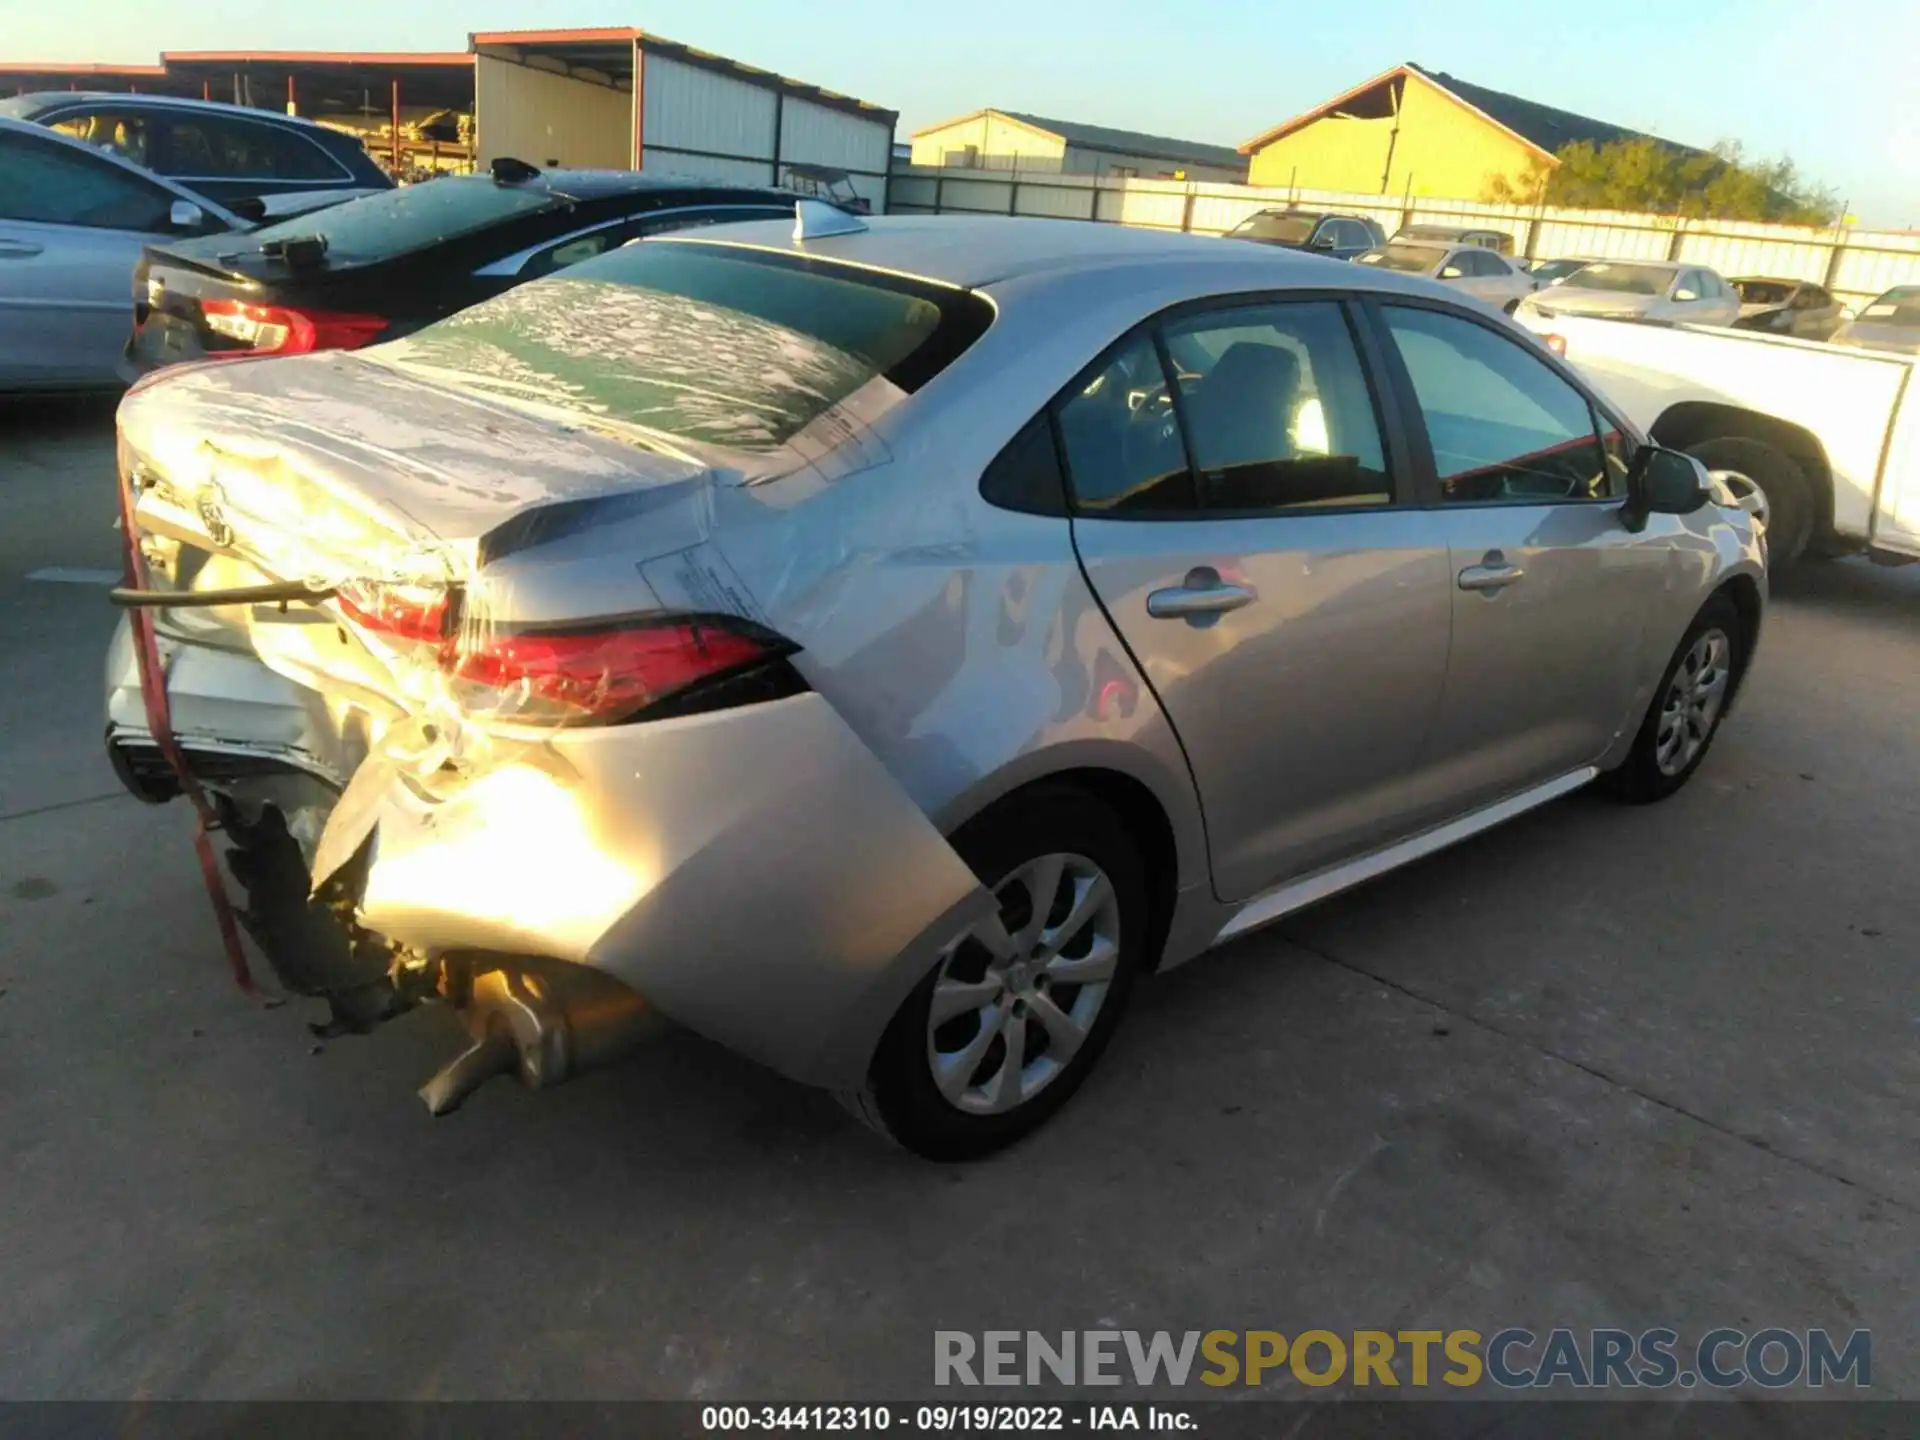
(1855,264)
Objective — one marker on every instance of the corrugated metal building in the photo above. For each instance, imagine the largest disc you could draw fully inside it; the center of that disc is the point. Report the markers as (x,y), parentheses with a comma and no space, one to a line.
(622,98)
(1008,140)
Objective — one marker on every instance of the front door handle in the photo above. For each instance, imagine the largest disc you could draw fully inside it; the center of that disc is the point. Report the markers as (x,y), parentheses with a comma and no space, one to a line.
(18,249)
(1202,597)
(1489,577)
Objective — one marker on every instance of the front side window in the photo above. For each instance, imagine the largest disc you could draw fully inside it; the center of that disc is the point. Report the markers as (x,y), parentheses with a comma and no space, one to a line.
(54,184)
(1504,426)
(116,132)
(1277,409)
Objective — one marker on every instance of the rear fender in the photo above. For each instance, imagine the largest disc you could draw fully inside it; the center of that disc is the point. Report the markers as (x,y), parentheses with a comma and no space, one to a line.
(754,872)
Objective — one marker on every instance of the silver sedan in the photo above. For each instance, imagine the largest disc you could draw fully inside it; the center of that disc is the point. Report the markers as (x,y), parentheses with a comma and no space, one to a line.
(878,645)
(73,221)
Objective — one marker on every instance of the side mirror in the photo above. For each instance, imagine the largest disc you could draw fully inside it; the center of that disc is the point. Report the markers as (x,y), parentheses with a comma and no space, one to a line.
(1684,295)
(1663,482)
(1322,242)
(1452,272)
(185,215)
(1846,312)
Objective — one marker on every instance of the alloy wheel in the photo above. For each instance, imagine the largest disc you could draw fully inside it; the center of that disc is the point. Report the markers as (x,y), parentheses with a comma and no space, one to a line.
(1017,996)
(1693,700)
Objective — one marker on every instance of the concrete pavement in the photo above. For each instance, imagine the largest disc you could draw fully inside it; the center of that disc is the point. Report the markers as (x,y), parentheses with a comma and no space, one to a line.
(1606,1066)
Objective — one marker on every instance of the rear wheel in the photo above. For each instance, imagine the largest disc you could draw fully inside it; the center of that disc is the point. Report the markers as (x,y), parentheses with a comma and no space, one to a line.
(1687,707)
(1783,487)
(1019,1009)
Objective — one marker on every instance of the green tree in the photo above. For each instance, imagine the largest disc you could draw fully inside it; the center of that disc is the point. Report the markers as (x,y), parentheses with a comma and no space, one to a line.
(1646,174)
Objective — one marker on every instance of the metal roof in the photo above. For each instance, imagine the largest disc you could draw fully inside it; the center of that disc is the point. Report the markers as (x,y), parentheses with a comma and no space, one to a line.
(1544,127)
(1110,141)
(607,50)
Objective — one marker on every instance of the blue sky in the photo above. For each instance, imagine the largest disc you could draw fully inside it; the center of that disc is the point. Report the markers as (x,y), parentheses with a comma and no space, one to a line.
(1841,98)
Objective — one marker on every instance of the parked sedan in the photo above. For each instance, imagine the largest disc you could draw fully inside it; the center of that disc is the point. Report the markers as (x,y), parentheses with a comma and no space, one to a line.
(73,222)
(230,154)
(879,648)
(1787,307)
(1471,268)
(377,267)
(1890,323)
(1660,290)
(1339,236)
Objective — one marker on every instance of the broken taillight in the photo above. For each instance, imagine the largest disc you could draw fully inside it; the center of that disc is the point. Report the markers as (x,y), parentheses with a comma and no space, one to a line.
(396,612)
(286,330)
(613,673)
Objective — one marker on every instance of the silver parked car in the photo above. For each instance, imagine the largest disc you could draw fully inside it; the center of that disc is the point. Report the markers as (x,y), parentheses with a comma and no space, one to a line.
(73,222)
(1662,290)
(879,646)
(1471,268)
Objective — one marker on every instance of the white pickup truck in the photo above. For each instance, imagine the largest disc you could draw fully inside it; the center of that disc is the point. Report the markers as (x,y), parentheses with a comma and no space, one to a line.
(1830,437)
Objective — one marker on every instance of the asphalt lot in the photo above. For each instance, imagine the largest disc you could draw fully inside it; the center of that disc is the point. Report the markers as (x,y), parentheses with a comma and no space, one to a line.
(1603,1067)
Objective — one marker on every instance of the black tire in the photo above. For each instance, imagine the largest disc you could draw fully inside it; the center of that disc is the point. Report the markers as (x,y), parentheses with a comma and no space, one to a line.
(1641,779)
(900,1099)
(1780,478)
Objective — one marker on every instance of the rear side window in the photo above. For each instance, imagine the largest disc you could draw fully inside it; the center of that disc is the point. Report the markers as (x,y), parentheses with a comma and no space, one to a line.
(56,185)
(212,147)
(1277,409)
(396,222)
(708,343)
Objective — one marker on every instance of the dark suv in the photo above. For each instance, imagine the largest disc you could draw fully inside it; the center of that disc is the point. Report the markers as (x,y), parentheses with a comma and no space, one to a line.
(228,153)
(1324,233)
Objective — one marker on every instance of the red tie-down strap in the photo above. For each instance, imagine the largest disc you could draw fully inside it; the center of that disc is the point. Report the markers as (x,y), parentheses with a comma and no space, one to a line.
(153,694)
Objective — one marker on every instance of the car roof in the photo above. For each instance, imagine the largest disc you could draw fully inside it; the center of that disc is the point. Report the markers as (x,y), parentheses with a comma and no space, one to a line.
(39,102)
(977,251)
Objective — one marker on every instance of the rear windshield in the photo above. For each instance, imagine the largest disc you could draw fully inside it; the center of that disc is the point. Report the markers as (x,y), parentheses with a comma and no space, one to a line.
(1287,229)
(1899,306)
(706,343)
(1408,259)
(1763,292)
(395,222)
(1624,279)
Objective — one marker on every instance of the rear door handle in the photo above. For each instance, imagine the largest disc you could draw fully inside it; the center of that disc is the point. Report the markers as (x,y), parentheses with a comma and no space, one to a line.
(1490,577)
(18,249)
(1202,596)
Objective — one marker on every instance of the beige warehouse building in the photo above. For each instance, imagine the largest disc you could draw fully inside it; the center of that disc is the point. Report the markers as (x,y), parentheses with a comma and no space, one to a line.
(1009,140)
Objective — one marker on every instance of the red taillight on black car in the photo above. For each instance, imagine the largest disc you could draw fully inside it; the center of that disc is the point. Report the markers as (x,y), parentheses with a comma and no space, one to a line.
(287,330)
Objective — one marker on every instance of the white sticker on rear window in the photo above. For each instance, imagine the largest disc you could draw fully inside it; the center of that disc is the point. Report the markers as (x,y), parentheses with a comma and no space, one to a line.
(699,581)
(1879,310)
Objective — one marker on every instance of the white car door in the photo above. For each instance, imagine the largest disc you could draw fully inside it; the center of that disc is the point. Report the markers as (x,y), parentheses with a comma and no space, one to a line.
(72,225)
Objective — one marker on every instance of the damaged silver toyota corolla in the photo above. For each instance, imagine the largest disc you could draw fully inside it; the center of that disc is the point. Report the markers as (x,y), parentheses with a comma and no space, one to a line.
(875,646)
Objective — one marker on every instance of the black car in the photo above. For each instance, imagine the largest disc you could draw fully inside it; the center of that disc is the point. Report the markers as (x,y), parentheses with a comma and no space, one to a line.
(379,267)
(231,154)
(1341,236)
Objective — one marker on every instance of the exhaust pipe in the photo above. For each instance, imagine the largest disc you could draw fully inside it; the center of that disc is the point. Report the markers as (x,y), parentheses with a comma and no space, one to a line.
(545,1020)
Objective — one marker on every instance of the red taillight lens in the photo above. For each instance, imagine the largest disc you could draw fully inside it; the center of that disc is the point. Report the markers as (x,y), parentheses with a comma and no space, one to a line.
(610,674)
(396,612)
(284,330)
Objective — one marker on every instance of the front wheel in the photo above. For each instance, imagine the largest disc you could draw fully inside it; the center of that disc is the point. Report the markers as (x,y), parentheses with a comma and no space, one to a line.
(1786,499)
(1687,707)
(1019,1009)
